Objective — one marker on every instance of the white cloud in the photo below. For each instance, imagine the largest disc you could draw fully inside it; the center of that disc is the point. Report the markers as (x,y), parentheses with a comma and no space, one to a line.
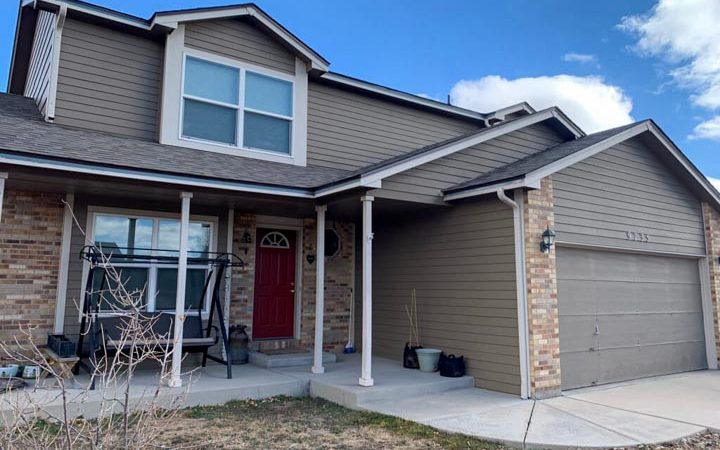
(589,101)
(685,34)
(582,58)
(715,182)
(709,129)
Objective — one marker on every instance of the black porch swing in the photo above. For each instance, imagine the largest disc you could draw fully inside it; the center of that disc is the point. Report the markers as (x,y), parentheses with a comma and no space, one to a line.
(104,332)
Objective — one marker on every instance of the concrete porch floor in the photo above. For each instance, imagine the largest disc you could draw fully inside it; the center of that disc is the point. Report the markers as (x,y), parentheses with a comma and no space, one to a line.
(621,415)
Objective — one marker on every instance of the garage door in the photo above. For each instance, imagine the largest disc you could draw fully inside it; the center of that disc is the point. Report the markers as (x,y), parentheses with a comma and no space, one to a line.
(625,316)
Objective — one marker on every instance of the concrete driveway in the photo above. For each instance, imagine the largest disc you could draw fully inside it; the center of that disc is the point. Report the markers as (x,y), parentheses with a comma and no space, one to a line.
(646,411)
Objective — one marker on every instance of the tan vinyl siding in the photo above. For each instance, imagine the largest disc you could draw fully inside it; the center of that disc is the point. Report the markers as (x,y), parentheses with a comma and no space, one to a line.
(461,261)
(425,183)
(347,130)
(627,189)
(37,85)
(109,81)
(239,40)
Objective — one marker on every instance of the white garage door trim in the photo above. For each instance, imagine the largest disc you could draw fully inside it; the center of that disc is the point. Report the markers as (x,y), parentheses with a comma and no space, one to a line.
(704,289)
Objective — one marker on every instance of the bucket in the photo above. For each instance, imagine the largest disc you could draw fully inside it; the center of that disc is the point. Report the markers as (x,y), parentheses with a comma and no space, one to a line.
(428,359)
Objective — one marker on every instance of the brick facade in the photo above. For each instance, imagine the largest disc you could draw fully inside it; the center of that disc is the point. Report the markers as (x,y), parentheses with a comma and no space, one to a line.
(338,287)
(544,331)
(30,241)
(712,238)
(338,284)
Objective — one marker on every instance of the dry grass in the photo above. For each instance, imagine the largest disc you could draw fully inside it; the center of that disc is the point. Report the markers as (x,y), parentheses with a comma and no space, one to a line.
(303,423)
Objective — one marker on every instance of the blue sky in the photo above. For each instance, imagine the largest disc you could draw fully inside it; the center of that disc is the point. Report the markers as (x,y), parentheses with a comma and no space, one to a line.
(642,70)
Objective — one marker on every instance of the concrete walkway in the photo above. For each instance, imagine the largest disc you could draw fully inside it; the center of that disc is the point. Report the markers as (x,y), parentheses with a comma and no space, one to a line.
(647,411)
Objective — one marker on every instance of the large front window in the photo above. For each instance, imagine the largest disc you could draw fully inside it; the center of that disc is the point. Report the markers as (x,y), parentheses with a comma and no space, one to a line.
(125,235)
(235,106)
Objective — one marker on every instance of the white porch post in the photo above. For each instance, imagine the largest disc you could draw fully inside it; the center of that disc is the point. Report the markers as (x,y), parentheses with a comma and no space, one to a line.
(3,177)
(367,236)
(319,290)
(175,380)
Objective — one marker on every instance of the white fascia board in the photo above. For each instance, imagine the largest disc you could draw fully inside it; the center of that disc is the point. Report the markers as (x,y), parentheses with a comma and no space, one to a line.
(389,92)
(492,188)
(568,161)
(680,157)
(445,150)
(352,184)
(172,21)
(131,174)
(119,18)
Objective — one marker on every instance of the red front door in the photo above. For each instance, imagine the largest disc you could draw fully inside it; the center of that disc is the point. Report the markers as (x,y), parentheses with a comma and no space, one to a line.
(274,304)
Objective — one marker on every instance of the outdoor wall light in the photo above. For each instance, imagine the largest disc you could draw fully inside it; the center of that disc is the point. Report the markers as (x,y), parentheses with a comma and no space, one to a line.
(310,259)
(246,240)
(548,239)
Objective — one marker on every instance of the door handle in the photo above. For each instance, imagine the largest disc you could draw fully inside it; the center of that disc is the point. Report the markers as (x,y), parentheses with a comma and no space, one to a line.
(292,291)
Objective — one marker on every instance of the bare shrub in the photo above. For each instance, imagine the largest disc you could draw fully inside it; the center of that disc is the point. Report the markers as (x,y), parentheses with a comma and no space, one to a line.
(117,414)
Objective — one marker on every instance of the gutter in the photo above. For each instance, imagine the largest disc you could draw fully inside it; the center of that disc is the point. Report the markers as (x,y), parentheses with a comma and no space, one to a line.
(520,273)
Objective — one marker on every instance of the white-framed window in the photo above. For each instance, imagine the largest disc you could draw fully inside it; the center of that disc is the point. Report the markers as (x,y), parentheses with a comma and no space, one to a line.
(236,106)
(126,233)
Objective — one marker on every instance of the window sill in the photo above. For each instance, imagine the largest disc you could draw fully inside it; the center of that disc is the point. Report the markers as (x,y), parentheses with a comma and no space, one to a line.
(235,151)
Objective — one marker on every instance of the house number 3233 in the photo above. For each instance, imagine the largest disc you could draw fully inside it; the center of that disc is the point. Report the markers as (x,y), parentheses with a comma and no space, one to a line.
(637,236)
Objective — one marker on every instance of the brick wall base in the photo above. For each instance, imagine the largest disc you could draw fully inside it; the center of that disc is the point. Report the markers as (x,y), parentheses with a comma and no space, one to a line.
(30,241)
(338,285)
(544,331)
(712,239)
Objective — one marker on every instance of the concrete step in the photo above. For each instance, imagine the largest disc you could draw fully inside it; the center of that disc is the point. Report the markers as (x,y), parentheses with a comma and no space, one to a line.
(274,361)
(391,386)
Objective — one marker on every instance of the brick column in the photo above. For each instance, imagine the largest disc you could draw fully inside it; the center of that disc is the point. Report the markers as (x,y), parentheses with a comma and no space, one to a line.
(544,332)
(243,279)
(30,241)
(712,239)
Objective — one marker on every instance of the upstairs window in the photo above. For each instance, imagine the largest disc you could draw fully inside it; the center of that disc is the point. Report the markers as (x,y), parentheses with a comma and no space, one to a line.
(237,107)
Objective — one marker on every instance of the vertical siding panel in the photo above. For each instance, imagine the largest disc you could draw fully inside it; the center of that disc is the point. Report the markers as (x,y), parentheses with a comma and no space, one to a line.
(38,77)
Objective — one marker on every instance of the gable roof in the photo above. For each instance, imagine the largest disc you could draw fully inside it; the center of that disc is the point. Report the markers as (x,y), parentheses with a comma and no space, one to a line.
(528,172)
(373,174)
(170,19)
(27,140)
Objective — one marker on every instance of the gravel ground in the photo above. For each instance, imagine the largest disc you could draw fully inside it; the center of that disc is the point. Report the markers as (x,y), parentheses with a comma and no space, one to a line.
(700,441)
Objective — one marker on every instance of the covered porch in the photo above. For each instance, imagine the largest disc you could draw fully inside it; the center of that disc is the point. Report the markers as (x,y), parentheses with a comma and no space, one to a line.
(317,312)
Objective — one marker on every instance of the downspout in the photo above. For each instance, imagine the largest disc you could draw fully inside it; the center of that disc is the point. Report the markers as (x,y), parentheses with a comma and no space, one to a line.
(520,274)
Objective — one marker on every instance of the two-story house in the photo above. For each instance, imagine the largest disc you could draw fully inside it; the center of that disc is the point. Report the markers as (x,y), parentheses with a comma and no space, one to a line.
(218,130)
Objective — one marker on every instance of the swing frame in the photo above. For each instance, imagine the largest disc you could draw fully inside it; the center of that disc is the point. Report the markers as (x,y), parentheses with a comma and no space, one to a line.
(91,322)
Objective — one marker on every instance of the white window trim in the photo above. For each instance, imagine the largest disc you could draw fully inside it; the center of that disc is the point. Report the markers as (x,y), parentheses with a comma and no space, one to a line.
(172,104)
(93,211)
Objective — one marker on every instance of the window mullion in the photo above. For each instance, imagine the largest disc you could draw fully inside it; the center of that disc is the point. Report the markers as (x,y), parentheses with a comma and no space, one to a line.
(152,270)
(241,111)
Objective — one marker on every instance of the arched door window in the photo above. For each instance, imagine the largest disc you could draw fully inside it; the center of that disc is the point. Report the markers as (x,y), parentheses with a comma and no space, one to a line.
(275,239)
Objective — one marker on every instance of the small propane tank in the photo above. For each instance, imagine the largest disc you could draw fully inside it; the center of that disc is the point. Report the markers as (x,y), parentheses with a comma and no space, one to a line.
(238,344)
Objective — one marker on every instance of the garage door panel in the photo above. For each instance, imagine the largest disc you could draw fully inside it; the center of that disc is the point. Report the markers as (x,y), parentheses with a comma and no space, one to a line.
(623,364)
(666,270)
(584,300)
(582,328)
(585,368)
(667,297)
(647,308)
(618,330)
